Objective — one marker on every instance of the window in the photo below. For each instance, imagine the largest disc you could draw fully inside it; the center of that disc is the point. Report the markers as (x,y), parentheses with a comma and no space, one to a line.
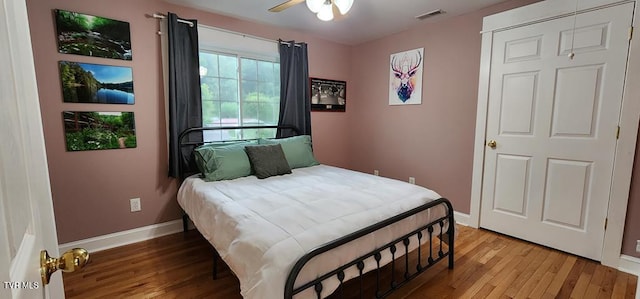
(238,89)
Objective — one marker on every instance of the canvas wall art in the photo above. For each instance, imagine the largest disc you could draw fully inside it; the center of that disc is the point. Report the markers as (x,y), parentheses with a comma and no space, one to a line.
(99,130)
(89,35)
(405,77)
(96,83)
(328,95)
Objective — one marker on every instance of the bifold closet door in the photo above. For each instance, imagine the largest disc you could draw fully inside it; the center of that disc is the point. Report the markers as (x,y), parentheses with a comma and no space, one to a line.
(553,122)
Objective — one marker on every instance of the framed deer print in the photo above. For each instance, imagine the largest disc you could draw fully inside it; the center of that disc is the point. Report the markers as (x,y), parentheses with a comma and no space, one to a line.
(405,77)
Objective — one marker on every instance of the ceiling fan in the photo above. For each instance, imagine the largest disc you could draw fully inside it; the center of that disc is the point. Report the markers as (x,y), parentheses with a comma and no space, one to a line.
(323,8)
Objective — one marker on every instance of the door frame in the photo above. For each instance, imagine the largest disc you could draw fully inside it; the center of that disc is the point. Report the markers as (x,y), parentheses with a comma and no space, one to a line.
(629,116)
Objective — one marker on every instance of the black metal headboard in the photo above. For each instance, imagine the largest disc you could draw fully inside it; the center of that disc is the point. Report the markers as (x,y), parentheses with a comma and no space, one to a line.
(188,166)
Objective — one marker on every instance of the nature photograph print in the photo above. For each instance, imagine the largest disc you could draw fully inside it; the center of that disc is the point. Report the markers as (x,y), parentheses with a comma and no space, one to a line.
(96,83)
(99,130)
(89,35)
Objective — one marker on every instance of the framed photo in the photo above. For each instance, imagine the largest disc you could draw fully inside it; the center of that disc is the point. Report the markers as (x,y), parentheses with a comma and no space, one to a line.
(328,95)
(89,35)
(405,77)
(99,130)
(96,83)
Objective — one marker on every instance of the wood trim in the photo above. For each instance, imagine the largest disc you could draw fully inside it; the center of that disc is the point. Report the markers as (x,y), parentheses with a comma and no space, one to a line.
(481,129)
(461,218)
(625,154)
(630,264)
(541,12)
(127,237)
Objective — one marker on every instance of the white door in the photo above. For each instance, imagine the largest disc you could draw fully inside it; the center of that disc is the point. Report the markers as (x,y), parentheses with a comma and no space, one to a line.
(26,211)
(554,122)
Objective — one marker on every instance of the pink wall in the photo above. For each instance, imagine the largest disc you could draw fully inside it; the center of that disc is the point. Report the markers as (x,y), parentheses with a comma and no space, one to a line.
(432,142)
(91,189)
(631,228)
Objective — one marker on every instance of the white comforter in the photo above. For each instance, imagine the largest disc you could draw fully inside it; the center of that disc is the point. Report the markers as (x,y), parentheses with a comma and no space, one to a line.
(261,228)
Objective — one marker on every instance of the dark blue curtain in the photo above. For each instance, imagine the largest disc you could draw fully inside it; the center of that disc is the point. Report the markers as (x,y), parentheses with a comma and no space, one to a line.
(295,102)
(185,105)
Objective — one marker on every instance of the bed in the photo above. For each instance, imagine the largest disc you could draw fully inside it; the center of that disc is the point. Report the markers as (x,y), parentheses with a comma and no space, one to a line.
(306,233)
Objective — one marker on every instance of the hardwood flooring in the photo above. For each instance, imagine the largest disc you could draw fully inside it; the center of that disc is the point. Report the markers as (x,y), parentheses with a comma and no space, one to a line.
(487,265)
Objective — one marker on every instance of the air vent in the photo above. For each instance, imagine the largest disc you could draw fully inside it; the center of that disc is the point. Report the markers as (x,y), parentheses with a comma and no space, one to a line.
(430,14)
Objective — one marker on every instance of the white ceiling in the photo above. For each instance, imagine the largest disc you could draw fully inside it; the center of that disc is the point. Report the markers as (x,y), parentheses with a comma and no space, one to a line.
(367,19)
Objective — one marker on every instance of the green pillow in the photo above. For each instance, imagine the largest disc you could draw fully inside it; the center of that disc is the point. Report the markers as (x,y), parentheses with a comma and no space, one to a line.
(223,162)
(203,155)
(296,149)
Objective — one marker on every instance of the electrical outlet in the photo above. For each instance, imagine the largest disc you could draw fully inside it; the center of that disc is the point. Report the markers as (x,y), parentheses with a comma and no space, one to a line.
(412,180)
(135,204)
(638,246)
(376,172)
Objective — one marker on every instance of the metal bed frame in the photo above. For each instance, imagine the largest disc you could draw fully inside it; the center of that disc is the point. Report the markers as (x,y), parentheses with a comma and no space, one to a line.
(402,243)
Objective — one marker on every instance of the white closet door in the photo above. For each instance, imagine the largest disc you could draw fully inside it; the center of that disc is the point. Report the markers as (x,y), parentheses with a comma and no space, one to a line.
(554,122)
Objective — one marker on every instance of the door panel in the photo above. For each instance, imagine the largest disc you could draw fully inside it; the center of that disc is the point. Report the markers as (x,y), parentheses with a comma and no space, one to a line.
(576,101)
(26,211)
(567,192)
(523,49)
(519,99)
(511,195)
(587,39)
(554,120)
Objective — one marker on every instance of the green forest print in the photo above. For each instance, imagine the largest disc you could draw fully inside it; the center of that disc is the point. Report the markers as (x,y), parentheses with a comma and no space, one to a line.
(99,130)
(92,36)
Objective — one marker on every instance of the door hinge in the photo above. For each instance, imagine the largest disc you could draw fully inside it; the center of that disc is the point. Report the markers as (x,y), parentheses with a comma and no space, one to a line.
(618,133)
(606,220)
(630,32)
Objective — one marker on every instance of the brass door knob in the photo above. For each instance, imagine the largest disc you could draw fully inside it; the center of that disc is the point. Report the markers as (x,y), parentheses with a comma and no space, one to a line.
(70,261)
(492,144)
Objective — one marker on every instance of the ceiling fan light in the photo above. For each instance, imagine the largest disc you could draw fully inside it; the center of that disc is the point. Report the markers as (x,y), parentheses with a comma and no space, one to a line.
(343,5)
(326,12)
(315,5)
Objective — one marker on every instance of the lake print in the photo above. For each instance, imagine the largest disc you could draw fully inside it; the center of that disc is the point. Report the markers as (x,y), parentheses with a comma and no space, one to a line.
(96,83)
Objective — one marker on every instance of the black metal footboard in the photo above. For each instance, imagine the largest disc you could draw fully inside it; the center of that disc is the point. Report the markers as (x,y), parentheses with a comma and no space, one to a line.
(423,263)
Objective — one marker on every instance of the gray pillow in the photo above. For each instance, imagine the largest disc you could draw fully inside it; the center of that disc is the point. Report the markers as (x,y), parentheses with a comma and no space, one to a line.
(267,160)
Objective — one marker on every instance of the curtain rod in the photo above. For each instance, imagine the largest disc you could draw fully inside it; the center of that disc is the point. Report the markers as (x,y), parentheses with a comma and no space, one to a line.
(289,43)
(246,35)
(161,16)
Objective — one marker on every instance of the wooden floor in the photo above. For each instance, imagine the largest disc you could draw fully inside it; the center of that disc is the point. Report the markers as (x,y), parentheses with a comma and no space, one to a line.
(488,265)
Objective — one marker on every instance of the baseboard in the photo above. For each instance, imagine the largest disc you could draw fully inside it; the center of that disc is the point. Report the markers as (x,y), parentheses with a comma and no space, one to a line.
(122,238)
(631,265)
(461,218)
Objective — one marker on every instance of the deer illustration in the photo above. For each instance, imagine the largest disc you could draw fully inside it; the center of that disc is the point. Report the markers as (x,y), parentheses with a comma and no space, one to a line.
(404,68)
